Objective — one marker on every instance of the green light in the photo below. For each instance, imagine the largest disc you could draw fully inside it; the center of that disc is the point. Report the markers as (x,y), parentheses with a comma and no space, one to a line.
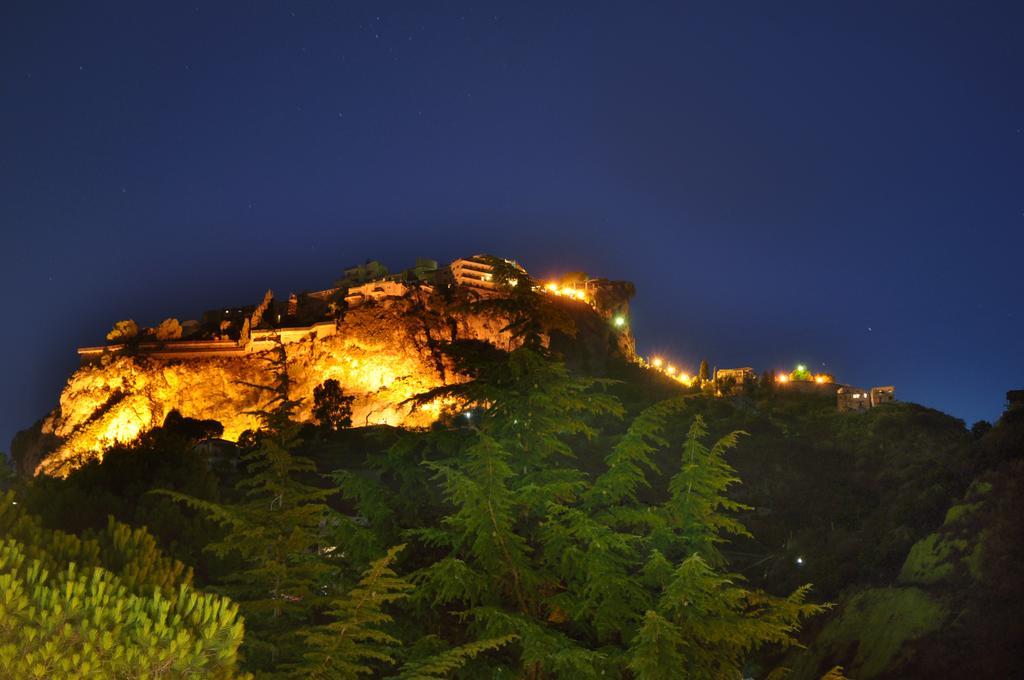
(801,368)
(620,321)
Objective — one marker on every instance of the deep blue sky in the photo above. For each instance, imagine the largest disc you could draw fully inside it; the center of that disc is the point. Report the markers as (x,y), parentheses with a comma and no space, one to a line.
(837,183)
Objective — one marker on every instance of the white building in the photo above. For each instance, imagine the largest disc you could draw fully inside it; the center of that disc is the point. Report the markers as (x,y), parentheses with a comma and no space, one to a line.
(477,273)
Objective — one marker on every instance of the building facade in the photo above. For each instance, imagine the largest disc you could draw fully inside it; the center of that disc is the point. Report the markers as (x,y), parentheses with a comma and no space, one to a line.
(732,380)
(477,273)
(852,399)
(375,290)
(882,395)
(737,375)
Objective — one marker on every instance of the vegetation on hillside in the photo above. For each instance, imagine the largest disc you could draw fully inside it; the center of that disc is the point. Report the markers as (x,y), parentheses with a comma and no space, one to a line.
(549,525)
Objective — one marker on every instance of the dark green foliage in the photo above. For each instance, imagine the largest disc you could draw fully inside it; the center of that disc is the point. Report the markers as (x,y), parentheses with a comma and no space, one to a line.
(6,472)
(130,553)
(443,664)
(343,648)
(536,547)
(164,458)
(332,409)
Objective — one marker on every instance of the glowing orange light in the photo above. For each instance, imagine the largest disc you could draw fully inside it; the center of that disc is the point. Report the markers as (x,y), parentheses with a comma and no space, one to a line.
(566,291)
(657,362)
(671,369)
(782,378)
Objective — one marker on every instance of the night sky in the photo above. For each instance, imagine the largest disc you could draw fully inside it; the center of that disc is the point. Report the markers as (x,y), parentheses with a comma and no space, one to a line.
(837,184)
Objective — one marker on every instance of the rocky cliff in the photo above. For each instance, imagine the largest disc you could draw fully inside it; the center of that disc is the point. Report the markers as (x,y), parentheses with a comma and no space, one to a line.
(381,353)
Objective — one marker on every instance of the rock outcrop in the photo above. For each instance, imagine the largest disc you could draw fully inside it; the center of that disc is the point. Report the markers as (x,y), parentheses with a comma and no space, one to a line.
(382,353)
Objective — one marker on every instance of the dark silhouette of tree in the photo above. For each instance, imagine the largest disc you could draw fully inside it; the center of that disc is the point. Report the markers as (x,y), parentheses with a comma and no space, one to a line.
(702,373)
(332,408)
(7,477)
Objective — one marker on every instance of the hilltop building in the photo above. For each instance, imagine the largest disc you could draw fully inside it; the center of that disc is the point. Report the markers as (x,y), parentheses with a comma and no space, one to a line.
(852,399)
(477,273)
(425,271)
(732,380)
(375,290)
(856,399)
(234,331)
(736,375)
(882,395)
(368,271)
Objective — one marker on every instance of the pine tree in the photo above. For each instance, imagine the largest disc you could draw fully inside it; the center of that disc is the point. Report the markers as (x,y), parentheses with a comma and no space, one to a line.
(714,620)
(347,646)
(657,649)
(698,510)
(275,530)
(110,606)
(440,666)
(500,478)
(589,579)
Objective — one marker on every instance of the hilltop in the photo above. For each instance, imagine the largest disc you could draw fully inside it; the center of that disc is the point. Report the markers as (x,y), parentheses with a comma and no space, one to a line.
(380,336)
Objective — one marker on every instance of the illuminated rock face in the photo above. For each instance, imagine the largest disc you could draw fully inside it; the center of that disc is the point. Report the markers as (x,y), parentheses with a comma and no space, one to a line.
(382,354)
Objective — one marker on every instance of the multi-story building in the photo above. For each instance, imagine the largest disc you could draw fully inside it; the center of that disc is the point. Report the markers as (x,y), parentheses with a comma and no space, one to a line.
(477,273)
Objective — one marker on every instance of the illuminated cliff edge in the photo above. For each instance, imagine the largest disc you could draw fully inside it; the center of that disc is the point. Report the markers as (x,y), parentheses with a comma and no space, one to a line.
(379,339)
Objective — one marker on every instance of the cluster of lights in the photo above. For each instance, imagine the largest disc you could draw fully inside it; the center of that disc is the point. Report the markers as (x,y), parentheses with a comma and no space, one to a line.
(659,364)
(820,378)
(552,288)
(566,291)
